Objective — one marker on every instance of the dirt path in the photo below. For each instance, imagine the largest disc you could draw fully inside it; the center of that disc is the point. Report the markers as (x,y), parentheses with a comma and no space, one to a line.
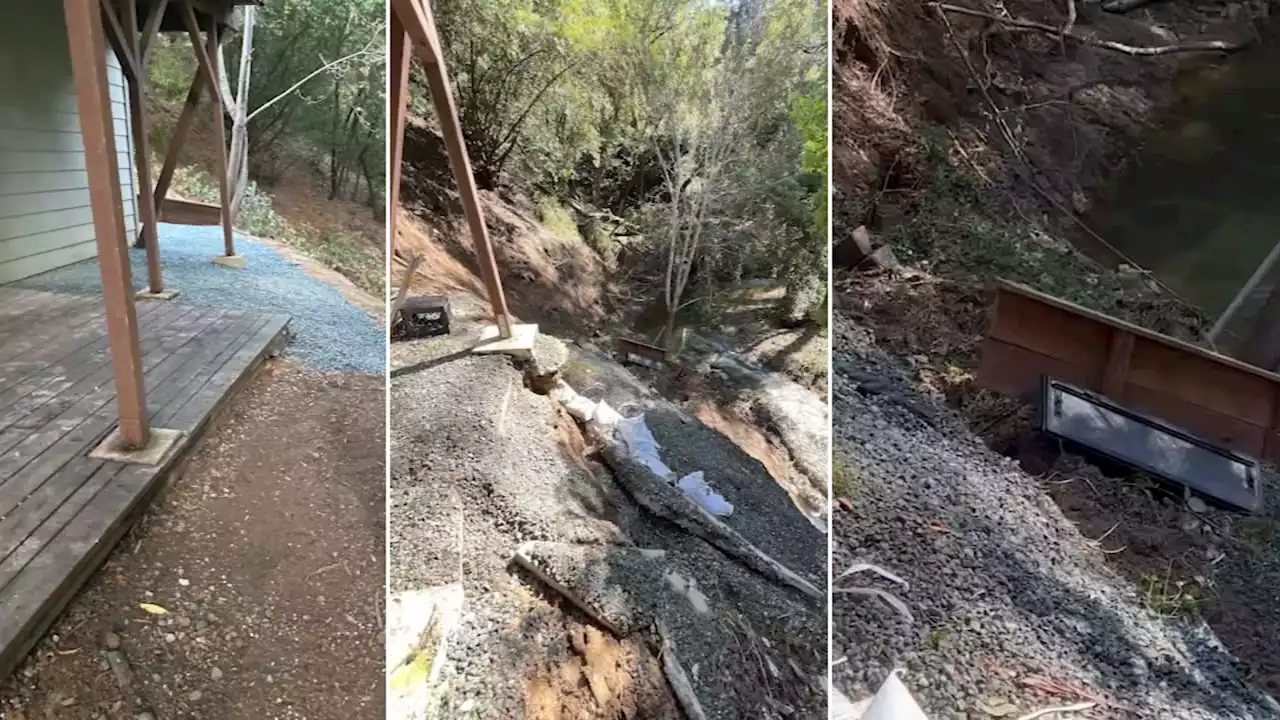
(267,553)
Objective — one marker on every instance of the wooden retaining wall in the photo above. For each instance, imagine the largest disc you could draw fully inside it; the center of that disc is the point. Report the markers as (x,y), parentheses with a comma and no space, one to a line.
(1030,335)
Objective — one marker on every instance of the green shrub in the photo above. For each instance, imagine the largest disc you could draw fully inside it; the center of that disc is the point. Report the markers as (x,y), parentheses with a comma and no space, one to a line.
(557,219)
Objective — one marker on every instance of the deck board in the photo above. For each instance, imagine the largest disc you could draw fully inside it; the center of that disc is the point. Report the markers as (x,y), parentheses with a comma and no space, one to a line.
(36,382)
(62,511)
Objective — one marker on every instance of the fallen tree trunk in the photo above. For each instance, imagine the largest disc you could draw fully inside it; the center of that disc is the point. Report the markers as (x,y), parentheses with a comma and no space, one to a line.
(666,501)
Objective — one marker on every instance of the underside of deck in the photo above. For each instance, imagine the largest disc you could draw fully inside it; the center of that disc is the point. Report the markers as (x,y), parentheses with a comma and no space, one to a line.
(62,511)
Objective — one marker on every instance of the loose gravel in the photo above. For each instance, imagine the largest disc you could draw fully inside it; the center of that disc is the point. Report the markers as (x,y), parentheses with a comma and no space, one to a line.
(1002,588)
(327,331)
(480,464)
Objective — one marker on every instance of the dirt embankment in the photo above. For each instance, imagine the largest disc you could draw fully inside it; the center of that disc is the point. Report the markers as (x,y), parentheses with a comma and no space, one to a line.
(559,282)
(1070,112)
(975,149)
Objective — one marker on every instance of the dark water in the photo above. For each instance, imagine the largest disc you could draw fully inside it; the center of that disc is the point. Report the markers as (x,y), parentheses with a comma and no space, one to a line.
(1202,208)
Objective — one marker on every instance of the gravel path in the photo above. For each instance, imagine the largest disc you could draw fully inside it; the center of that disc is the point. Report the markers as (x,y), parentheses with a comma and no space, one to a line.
(1003,589)
(327,331)
(266,551)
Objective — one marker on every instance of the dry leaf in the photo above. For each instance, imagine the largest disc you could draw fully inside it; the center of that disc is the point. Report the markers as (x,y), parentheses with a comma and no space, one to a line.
(153,608)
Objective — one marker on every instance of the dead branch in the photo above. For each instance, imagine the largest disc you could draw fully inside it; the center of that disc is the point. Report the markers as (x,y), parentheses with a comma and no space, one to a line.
(1068,30)
(1062,710)
(1068,26)
(1071,19)
(1124,6)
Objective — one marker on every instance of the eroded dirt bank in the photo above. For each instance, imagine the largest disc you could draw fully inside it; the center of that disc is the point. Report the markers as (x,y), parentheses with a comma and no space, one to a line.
(974,149)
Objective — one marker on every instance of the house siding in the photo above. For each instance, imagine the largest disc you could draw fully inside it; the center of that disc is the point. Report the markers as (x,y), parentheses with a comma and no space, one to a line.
(45,218)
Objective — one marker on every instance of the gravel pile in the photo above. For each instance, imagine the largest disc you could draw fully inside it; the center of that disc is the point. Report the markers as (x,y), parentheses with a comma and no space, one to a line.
(1002,588)
(327,332)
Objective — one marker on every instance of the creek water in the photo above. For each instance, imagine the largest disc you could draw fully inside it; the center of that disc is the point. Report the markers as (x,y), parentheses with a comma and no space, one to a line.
(1201,209)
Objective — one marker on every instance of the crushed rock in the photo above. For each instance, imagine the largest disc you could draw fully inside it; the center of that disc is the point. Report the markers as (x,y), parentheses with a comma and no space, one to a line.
(1005,591)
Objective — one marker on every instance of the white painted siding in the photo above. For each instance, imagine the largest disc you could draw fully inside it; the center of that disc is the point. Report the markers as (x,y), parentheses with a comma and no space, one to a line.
(44,192)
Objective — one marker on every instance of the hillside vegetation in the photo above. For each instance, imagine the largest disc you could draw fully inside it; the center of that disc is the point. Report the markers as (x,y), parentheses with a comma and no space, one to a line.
(316,159)
(976,147)
(681,143)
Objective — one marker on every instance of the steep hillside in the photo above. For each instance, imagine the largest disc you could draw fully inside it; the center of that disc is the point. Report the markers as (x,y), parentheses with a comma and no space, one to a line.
(977,140)
(975,148)
(295,209)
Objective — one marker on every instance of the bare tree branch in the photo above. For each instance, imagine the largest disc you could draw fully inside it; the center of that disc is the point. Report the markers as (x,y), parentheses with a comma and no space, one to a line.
(366,50)
(1070,31)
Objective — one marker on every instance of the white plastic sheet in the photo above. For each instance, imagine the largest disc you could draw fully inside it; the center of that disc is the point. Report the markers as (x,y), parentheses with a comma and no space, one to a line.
(580,407)
(893,702)
(696,487)
(641,446)
(605,416)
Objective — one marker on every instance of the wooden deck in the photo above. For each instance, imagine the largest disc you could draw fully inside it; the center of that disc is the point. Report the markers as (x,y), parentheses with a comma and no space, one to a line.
(61,511)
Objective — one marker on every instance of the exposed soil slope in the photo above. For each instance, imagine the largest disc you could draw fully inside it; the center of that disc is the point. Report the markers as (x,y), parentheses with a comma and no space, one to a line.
(963,193)
(559,281)
(1074,111)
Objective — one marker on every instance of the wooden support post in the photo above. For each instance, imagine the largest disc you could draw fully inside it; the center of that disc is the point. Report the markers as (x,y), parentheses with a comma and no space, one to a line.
(179,138)
(1117,369)
(142,155)
(207,56)
(118,39)
(149,30)
(399,102)
(416,19)
(93,99)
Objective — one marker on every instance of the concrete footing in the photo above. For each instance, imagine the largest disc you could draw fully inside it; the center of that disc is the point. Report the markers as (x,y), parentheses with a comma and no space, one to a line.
(231,261)
(162,295)
(520,344)
(161,442)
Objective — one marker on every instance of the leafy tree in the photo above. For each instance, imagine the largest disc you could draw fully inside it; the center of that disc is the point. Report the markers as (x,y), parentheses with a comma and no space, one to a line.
(701,122)
(317,93)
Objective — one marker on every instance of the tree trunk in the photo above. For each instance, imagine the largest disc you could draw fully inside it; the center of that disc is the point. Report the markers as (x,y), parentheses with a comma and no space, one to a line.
(238,109)
(669,329)
(335,141)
